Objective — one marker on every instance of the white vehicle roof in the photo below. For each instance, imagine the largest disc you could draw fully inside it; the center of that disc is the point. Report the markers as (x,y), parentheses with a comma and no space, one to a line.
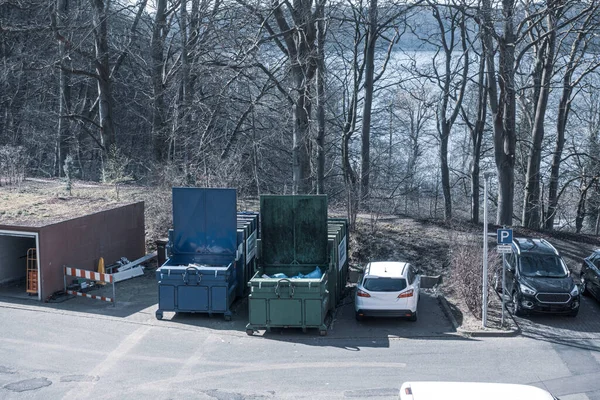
(388,269)
(471,391)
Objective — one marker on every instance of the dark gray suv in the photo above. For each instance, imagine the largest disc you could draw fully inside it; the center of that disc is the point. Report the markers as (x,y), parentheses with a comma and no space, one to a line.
(538,279)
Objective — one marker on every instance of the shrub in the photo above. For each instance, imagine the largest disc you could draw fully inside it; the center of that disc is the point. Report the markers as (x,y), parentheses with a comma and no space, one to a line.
(13,163)
(466,276)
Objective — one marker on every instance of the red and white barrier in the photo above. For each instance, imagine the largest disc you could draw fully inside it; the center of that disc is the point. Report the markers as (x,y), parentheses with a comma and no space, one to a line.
(91,275)
(94,276)
(91,296)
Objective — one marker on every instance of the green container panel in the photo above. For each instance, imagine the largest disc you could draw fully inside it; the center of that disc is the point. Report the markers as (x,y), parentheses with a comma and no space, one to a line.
(338,253)
(333,285)
(344,246)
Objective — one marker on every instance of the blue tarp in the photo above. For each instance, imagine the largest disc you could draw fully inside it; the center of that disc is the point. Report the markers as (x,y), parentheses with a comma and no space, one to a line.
(316,274)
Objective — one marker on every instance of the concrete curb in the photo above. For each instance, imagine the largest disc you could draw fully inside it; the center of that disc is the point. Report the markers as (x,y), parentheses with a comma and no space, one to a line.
(510,319)
(478,333)
(446,309)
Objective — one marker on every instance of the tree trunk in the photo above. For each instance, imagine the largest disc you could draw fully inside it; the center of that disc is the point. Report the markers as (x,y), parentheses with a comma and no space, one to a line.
(531,207)
(446,114)
(64,92)
(445,171)
(300,153)
(561,124)
(159,112)
(502,104)
(371,39)
(185,91)
(105,103)
(320,15)
(477,139)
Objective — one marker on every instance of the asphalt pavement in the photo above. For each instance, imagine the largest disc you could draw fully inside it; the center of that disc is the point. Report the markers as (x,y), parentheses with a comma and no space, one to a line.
(81,349)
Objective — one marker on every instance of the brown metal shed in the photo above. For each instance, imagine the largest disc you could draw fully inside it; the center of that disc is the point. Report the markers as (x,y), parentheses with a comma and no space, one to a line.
(78,242)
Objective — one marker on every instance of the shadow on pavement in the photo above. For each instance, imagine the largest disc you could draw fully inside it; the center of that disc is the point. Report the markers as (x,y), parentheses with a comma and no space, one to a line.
(132,297)
(582,331)
(137,300)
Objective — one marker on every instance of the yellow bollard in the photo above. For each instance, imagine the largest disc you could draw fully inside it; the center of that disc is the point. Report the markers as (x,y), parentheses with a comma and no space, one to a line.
(101,269)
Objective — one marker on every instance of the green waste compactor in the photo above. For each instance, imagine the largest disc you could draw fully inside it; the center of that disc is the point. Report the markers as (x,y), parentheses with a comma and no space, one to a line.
(294,243)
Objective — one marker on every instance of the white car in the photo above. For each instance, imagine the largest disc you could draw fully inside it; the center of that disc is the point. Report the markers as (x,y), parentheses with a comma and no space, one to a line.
(388,289)
(471,391)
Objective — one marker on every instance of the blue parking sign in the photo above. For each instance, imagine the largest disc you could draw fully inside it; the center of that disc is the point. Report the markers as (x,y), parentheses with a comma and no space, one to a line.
(505,236)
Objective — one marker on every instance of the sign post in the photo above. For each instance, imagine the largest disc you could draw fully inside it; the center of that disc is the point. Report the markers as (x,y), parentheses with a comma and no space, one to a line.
(504,246)
(485,248)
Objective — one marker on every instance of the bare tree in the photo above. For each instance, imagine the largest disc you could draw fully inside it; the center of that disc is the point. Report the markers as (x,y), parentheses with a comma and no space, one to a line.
(578,60)
(452,81)
(61,18)
(159,110)
(502,99)
(476,130)
(321,97)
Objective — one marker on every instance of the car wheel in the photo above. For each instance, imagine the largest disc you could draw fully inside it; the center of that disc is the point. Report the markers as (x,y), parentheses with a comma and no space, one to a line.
(358,316)
(583,287)
(413,317)
(516,305)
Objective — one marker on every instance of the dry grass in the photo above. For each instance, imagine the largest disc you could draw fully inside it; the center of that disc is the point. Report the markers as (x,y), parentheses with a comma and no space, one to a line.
(39,202)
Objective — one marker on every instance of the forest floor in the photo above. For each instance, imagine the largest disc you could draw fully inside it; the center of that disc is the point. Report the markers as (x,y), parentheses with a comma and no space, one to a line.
(425,243)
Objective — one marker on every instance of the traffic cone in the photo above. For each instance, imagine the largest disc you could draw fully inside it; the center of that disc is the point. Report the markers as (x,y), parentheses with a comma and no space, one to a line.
(101,270)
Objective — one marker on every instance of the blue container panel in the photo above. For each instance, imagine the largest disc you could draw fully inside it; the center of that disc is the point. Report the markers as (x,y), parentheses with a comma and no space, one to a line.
(240,266)
(218,298)
(192,298)
(166,297)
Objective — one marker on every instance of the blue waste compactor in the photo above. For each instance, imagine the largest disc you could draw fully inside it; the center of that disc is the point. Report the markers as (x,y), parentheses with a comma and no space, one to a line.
(203,270)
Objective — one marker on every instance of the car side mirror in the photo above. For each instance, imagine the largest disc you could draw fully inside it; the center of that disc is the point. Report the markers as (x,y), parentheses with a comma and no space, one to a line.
(419,272)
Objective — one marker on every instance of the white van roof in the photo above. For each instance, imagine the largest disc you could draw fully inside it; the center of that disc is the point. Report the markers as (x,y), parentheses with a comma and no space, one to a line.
(471,391)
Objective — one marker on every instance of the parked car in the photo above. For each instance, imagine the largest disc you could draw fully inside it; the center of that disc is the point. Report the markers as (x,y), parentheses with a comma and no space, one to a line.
(538,280)
(471,391)
(388,289)
(590,275)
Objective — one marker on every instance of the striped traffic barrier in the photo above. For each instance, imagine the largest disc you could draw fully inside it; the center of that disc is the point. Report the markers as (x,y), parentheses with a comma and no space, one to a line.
(94,276)
(91,296)
(91,275)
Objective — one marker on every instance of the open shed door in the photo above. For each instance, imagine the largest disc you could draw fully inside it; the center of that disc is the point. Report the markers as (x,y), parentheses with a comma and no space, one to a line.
(19,265)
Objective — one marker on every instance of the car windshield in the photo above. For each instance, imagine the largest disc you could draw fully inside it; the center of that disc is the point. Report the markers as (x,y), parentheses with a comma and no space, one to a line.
(547,266)
(384,284)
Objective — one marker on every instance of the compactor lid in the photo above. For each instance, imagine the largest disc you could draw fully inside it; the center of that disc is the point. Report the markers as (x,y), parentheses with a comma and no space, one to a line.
(204,221)
(294,229)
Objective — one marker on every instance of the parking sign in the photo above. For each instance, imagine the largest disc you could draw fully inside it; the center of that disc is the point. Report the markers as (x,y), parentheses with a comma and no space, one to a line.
(505,236)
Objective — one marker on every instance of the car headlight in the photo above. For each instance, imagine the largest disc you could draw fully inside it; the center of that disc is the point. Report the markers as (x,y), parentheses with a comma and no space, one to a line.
(527,290)
(575,291)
